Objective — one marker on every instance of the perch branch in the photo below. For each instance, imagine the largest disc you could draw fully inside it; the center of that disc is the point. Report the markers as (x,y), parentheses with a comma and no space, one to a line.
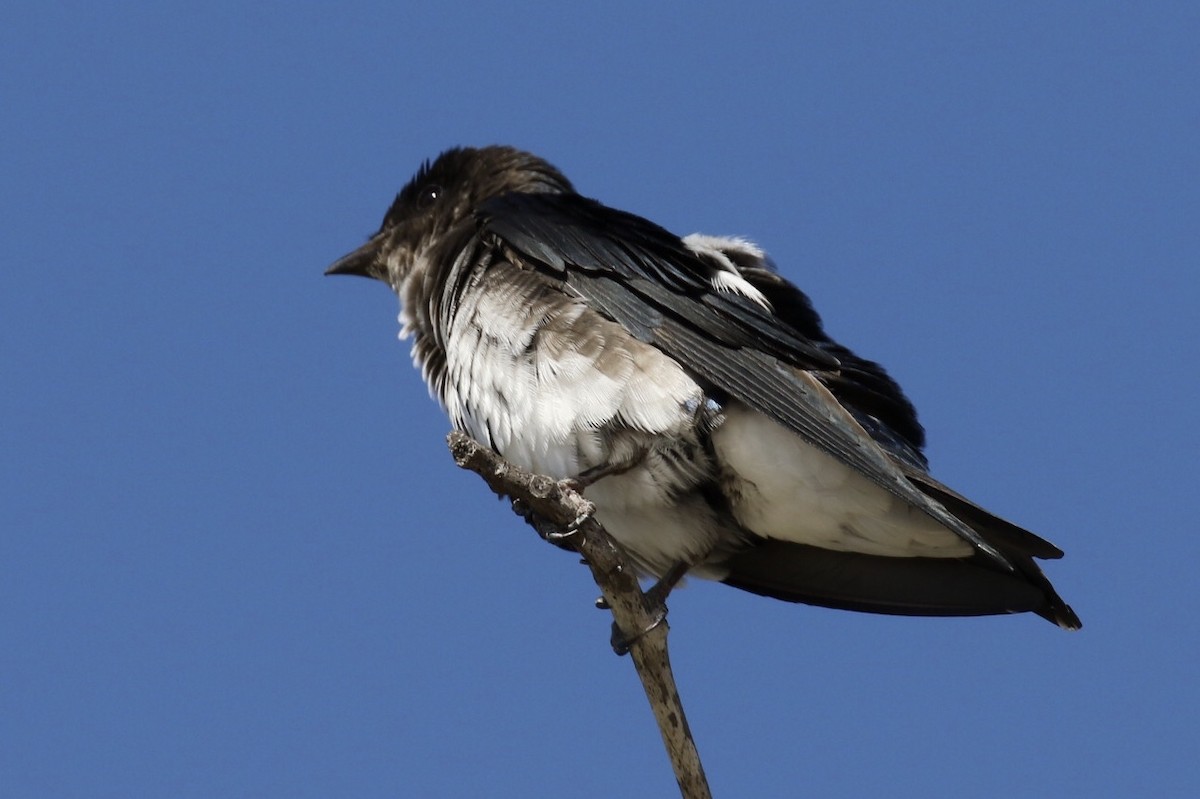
(562,515)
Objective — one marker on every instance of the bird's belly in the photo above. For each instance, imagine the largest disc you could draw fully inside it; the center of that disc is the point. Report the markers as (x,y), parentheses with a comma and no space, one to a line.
(660,516)
(781,487)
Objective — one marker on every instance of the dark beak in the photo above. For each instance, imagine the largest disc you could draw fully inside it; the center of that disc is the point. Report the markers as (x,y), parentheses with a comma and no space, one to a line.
(361,262)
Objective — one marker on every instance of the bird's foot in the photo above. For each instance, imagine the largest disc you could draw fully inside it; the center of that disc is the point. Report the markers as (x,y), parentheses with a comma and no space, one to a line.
(622,643)
(656,598)
(559,536)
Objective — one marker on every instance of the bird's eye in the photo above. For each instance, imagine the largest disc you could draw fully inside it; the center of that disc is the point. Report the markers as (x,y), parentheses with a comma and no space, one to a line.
(428,196)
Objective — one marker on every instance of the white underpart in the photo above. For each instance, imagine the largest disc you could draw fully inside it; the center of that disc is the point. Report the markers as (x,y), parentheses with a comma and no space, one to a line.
(539,379)
(787,489)
(581,374)
(717,250)
(659,531)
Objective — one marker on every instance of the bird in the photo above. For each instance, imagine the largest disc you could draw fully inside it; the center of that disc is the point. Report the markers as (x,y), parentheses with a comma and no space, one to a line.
(690,390)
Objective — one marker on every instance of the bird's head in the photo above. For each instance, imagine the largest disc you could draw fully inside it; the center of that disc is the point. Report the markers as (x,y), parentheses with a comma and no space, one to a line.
(441,198)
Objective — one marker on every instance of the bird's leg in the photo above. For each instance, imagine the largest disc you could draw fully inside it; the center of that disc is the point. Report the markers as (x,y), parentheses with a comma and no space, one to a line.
(657,596)
(554,534)
(597,473)
(663,587)
(579,483)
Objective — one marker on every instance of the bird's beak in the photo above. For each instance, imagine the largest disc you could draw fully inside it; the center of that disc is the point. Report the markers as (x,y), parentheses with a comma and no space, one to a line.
(361,262)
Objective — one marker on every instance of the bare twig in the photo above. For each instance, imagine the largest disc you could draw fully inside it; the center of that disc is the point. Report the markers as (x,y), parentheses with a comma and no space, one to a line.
(640,620)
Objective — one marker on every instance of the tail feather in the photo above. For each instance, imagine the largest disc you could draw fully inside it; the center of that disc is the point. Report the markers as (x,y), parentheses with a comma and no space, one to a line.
(902,586)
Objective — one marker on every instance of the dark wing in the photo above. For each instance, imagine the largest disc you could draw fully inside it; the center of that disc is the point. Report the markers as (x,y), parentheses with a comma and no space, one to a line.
(862,386)
(911,586)
(572,235)
(647,280)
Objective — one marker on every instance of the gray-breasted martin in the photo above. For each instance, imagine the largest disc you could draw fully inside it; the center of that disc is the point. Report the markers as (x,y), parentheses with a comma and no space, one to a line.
(691,389)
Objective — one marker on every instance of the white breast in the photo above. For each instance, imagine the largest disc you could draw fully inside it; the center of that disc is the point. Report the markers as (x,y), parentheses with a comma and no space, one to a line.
(537,375)
(558,389)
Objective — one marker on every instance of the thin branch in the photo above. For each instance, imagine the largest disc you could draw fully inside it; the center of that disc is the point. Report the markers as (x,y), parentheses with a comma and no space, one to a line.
(638,618)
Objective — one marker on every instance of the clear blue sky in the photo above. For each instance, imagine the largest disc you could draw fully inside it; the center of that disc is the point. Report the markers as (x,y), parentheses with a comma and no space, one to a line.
(236,559)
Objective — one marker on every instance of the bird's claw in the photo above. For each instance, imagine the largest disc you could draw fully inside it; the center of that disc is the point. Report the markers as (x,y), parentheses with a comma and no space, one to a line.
(622,643)
(560,536)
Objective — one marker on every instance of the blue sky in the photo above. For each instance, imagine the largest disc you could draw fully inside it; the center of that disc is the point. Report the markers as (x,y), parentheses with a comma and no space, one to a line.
(236,559)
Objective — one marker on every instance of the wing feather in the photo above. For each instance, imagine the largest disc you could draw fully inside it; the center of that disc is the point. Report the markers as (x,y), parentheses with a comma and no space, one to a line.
(644,278)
